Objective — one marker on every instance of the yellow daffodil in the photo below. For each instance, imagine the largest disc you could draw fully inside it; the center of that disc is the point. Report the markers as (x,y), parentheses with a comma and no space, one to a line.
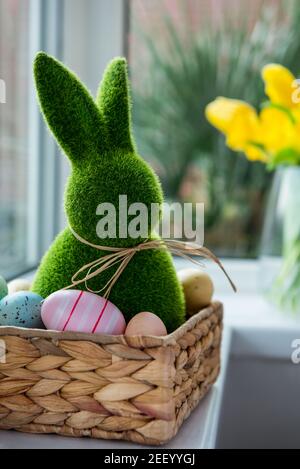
(281,86)
(277,129)
(244,127)
(256,153)
(239,122)
(222,111)
(273,135)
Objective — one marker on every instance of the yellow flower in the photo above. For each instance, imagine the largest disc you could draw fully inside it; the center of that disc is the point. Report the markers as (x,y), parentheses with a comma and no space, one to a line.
(244,128)
(222,111)
(281,86)
(239,122)
(273,135)
(277,129)
(236,119)
(255,153)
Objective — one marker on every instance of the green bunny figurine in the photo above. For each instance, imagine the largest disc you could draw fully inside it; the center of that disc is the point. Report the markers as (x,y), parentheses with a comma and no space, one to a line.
(96,136)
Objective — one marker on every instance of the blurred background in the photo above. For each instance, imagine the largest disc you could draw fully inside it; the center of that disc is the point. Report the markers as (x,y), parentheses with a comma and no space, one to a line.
(182,54)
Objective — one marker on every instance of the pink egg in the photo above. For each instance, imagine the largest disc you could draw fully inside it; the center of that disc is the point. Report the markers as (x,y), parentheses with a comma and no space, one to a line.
(145,324)
(79,311)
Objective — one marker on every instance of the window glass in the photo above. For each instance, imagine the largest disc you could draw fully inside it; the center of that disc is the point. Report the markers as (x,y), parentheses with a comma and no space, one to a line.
(183,55)
(14,46)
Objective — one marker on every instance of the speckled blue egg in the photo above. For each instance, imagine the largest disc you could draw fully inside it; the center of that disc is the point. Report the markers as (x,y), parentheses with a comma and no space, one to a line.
(21,309)
(3,288)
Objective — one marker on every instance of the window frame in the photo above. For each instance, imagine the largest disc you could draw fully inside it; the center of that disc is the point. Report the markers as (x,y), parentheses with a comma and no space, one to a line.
(51,26)
(46,20)
(52,29)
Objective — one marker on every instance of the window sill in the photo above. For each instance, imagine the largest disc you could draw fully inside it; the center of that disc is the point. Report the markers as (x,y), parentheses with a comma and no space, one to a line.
(245,273)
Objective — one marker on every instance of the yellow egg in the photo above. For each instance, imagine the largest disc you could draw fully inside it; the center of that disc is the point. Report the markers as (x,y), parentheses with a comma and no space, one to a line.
(198,289)
(19,284)
(146,324)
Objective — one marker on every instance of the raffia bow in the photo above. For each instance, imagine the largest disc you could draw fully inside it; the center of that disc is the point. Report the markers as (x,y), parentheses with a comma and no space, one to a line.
(122,257)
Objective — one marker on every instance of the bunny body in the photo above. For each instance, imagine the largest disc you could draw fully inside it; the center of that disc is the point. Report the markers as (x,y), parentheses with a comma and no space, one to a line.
(96,136)
(139,288)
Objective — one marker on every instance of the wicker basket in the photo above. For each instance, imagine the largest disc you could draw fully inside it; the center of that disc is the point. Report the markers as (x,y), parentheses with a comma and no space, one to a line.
(139,389)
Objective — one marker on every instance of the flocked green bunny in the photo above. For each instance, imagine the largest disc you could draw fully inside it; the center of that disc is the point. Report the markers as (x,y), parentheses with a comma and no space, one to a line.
(96,137)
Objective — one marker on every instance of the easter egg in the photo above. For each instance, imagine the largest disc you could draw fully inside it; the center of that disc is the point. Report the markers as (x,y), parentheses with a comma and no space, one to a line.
(146,324)
(22,309)
(3,288)
(79,311)
(198,289)
(19,284)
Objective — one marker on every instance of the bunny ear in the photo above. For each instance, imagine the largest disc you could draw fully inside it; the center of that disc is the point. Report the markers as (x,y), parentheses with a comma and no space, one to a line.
(69,110)
(114,103)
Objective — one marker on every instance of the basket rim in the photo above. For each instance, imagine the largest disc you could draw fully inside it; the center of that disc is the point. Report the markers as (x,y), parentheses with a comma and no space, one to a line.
(103,339)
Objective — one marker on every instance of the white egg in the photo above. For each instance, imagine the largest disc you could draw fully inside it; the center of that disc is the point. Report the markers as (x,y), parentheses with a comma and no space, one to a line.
(19,284)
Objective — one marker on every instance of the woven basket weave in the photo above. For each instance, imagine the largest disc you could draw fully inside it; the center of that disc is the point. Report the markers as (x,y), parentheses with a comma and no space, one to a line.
(139,389)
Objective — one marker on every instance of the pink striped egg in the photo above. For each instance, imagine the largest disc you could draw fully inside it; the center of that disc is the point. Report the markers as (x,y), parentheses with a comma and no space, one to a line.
(79,311)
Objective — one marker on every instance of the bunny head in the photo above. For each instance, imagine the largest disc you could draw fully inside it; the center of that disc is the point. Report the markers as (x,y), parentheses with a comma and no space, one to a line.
(96,136)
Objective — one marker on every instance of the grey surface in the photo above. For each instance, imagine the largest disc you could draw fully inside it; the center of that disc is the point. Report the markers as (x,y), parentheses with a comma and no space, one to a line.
(261,401)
